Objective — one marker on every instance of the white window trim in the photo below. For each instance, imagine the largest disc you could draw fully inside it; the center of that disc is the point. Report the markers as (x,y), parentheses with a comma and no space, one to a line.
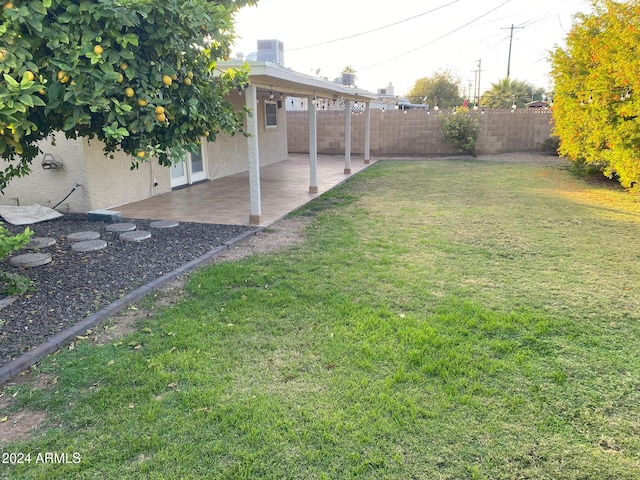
(266,115)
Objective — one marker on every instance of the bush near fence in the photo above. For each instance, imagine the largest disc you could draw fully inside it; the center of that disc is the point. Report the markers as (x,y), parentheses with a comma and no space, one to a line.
(418,132)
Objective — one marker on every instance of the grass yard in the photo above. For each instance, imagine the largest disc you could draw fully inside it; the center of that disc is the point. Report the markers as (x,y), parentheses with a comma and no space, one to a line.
(443,319)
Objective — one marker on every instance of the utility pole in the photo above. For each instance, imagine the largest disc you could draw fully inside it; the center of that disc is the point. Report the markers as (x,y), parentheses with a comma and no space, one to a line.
(510,44)
(477,92)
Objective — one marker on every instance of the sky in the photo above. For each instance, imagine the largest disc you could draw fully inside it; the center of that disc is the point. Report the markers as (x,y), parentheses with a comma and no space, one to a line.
(402,41)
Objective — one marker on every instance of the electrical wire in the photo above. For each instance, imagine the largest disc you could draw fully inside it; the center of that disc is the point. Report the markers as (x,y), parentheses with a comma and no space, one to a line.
(436,39)
(372,30)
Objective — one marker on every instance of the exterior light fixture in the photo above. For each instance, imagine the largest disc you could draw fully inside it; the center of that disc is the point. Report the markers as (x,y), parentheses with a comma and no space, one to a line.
(50,163)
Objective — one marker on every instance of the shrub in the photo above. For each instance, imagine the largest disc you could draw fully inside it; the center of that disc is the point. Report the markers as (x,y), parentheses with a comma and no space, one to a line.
(551,146)
(12,284)
(461,129)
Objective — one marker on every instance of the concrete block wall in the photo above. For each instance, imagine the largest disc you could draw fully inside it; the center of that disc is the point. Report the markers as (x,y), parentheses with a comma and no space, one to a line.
(418,132)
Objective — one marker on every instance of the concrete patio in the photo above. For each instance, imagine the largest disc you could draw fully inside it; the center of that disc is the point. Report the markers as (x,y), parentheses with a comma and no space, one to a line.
(284,187)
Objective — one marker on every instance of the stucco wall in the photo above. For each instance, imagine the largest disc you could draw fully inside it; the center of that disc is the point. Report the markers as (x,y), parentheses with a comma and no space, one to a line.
(417,133)
(228,155)
(111,182)
(48,187)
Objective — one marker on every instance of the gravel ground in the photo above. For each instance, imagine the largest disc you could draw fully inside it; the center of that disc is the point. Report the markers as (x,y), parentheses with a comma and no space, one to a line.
(75,285)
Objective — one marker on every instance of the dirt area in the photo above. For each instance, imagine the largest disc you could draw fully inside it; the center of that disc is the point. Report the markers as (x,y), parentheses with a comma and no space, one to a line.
(20,425)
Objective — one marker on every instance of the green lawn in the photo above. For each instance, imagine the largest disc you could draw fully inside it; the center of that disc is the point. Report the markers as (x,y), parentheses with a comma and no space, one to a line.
(443,319)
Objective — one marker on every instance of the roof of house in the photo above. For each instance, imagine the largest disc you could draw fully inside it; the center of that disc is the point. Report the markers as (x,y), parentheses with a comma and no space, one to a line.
(272,77)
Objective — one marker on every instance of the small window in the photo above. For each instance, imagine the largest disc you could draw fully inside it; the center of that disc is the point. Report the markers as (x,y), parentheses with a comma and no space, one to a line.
(271,114)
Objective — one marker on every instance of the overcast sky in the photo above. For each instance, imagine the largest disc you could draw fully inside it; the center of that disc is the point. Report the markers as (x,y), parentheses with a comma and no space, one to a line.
(404,40)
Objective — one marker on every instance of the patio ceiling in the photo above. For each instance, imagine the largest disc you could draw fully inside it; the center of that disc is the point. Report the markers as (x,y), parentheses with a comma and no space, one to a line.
(267,76)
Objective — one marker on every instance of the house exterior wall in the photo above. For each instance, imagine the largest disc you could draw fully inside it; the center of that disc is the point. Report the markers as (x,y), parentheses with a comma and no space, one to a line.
(228,155)
(48,187)
(109,182)
(417,133)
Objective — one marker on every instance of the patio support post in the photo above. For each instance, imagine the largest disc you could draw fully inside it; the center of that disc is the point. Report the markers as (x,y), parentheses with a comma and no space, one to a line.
(347,136)
(251,101)
(367,133)
(313,148)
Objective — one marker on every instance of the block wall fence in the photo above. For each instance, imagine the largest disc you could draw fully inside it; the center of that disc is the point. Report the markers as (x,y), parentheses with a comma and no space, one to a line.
(416,133)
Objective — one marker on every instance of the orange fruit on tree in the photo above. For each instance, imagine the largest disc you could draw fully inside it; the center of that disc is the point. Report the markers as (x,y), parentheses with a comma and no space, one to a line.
(167,80)
(129,92)
(124,65)
(161,117)
(142,102)
(30,76)
(8,5)
(187,81)
(159,109)
(141,154)
(98,50)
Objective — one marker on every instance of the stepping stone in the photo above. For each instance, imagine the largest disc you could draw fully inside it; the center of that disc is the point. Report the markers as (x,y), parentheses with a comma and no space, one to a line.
(36,243)
(136,236)
(163,224)
(83,236)
(89,246)
(29,260)
(121,227)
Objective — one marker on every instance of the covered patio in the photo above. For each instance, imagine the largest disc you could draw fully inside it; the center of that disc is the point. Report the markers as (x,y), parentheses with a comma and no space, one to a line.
(284,187)
(274,182)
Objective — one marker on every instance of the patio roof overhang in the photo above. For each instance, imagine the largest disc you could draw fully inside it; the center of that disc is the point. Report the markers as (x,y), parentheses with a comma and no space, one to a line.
(267,76)
(275,79)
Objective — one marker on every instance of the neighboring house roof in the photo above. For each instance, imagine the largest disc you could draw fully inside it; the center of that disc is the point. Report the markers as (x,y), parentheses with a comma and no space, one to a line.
(538,104)
(270,76)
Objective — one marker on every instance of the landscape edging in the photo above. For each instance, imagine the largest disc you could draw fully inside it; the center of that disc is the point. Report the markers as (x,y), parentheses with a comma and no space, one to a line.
(30,358)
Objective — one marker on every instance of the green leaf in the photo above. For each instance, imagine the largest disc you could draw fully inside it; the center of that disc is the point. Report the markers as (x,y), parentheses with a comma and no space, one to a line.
(11,81)
(130,38)
(35,22)
(46,3)
(38,7)
(65,17)
(69,123)
(26,99)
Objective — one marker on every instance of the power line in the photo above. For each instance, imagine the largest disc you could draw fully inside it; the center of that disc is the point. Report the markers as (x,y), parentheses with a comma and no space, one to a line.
(436,39)
(372,30)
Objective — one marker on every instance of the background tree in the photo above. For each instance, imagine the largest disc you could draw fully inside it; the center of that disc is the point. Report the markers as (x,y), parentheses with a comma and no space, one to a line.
(348,75)
(443,87)
(503,93)
(136,74)
(597,80)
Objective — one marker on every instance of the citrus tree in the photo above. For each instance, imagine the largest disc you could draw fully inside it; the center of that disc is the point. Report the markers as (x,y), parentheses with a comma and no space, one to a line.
(597,81)
(135,74)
